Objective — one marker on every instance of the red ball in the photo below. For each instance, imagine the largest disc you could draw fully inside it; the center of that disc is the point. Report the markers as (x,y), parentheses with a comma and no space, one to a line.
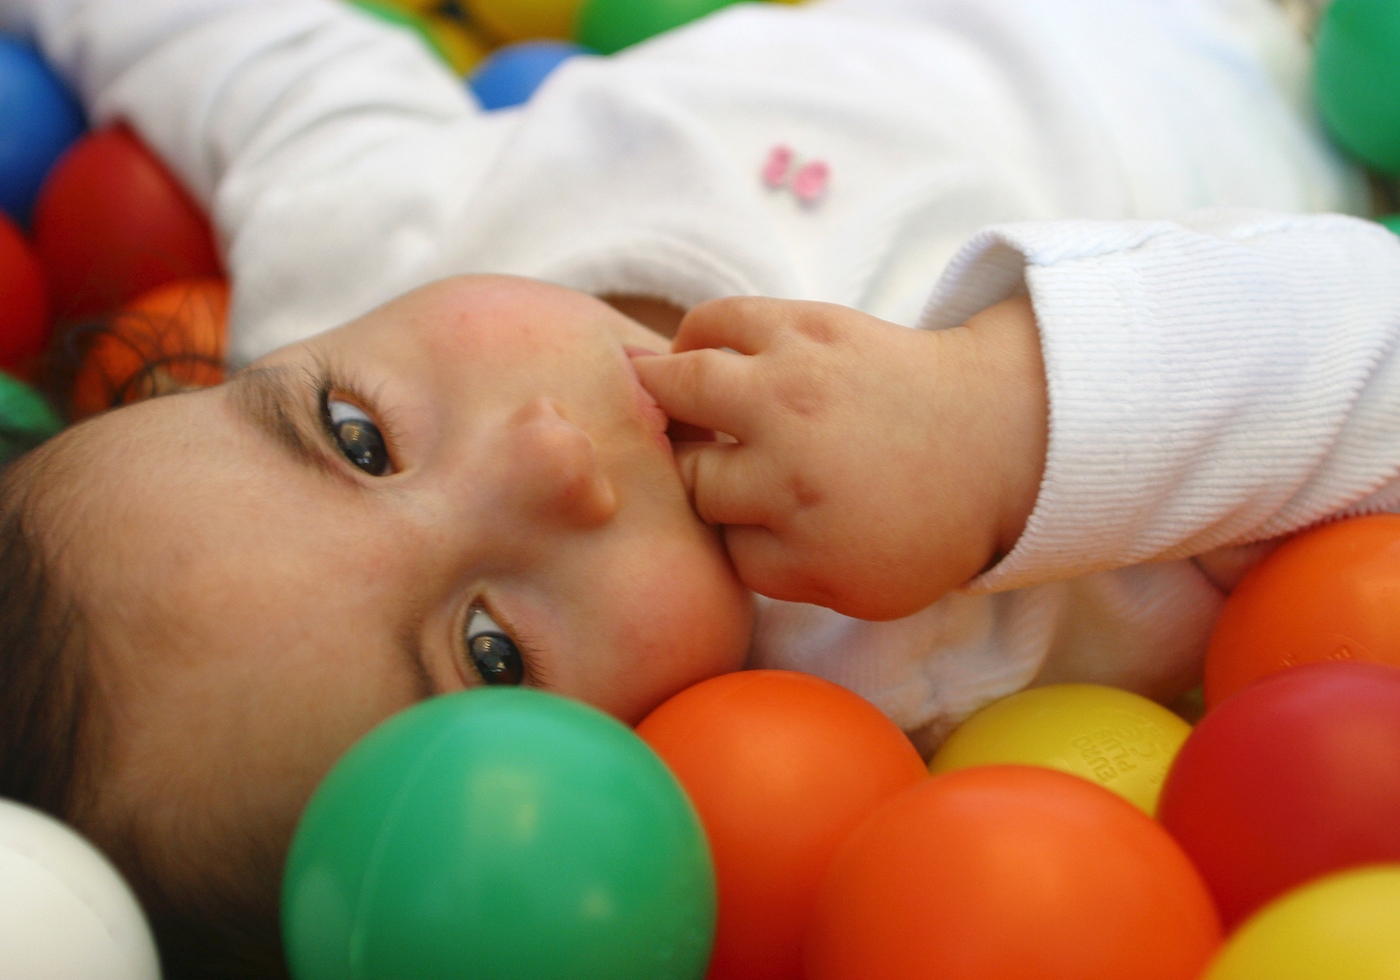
(1011,873)
(1332,593)
(112,223)
(1296,776)
(781,767)
(24,302)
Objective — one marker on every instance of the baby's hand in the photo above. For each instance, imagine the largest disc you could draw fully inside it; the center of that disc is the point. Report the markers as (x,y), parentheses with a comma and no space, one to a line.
(875,468)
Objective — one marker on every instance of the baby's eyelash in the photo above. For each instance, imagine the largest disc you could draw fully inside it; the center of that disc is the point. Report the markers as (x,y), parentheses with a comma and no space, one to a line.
(535,675)
(327,380)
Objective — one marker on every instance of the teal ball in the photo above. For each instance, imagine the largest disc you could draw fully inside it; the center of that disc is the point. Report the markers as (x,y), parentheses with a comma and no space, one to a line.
(1358,79)
(499,833)
(608,26)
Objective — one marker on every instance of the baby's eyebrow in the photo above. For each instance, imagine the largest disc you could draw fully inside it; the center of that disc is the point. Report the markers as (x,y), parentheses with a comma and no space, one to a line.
(266,398)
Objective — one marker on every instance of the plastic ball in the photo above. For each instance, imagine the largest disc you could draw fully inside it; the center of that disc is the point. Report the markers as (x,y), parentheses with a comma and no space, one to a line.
(524,20)
(1010,871)
(1294,777)
(24,300)
(512,73)
(781,767)
(112,223)
(1119,740)
(1358,79)
(25,418)
(1392,221)
(607,26)
(502,833)
(1342,927)
(39,119)
(173,337)
(1332,593)
(462,49)
(65,912)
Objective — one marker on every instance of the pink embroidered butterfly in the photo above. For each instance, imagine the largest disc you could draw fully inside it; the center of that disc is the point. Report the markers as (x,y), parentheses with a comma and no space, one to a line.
(808,183)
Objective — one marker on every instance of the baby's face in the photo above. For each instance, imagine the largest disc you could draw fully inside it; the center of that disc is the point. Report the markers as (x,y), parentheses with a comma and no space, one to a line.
(466,486)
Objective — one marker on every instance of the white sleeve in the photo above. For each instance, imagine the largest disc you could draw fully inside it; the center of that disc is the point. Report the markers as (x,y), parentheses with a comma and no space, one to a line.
(270,108)
(1215,382)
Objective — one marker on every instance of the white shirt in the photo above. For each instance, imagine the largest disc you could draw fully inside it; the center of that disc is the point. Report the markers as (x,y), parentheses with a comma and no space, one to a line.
(1216,378)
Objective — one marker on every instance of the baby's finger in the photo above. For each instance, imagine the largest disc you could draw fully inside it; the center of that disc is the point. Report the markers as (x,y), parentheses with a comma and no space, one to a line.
(725,483)
(767,565)
(708,388)
(741,323)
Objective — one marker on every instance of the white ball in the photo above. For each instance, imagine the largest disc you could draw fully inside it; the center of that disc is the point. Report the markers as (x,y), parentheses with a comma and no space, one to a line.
(65,912)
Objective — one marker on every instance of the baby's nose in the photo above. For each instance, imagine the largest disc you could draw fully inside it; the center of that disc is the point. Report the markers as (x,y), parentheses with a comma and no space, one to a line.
(553,473)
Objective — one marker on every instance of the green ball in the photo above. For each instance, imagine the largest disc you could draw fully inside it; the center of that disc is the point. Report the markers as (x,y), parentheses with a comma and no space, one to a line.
(1358,79)
(611,25)
(500,834)
(25,417)
(1392,221)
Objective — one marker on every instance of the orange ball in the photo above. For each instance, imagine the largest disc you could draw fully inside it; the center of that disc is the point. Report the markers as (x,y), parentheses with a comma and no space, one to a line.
(172,337)
(781,767)
(1332,593)
(1007,873)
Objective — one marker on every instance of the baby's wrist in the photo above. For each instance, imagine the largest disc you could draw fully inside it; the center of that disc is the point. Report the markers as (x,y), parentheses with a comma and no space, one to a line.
(1012,392)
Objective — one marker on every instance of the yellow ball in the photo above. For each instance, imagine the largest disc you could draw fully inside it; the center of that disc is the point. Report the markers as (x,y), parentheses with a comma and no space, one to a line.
(459,47)
(416,6)
(523,20)
(1122,741)
(1342,927)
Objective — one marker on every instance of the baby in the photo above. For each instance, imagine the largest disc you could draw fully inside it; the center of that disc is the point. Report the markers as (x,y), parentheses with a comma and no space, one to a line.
(420,481)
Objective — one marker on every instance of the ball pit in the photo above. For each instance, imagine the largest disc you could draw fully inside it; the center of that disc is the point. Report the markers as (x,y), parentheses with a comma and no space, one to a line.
(1332,593)
(112,223)
(24,300)
(1342,927)
(498,833)
(1358,79)
(1296,776)
(781,767)
(510,75)
(39,119)
(174,336)
(1010,871)
(1119,740)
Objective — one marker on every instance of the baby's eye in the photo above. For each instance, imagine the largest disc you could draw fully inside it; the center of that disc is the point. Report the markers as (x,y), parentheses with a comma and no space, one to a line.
(492,653)
(358,437)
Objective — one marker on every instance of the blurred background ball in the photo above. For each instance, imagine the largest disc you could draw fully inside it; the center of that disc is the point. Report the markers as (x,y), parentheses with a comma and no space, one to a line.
(39,119)
(1358,79)
(25,418)
(608,26)
(1342,927)
(1392,221)
(1010,871)
(112,223)
(1117,739)
(508,834)
(524,20)
(781,767)
(65,913)
(171,338)
(510,75)
(24,301)
(1332,593)
(1296,776)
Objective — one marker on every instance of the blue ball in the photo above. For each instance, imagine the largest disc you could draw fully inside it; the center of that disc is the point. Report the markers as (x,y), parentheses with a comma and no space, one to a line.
(39,118)
(510,75)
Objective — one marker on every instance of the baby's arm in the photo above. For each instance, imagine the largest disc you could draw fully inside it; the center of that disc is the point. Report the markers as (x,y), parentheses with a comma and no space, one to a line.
(300,115)
(876,467)
(1213,383)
